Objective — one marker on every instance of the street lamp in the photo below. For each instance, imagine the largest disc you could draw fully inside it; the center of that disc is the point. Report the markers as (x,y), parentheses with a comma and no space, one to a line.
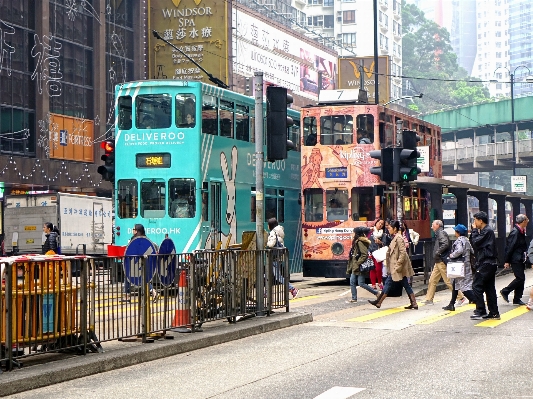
(512,75)
(404,98)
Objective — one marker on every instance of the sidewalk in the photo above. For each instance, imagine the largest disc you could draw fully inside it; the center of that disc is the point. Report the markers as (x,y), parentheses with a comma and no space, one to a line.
(121,354)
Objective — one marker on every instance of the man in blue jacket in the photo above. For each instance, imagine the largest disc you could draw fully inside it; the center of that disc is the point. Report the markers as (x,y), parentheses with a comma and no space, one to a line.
(515,252)
(484,244)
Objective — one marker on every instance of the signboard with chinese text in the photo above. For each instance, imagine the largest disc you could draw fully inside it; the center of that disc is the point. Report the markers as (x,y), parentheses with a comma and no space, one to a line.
(199,29)
(423,160)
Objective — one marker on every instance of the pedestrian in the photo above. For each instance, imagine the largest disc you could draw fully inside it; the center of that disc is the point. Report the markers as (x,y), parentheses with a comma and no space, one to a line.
(376,243)
(360,253)
(275,240)
(483,241)
(399,267)
(409,237)
(51,243)
(461,248)
(138,231)
(515,256)
(441,250)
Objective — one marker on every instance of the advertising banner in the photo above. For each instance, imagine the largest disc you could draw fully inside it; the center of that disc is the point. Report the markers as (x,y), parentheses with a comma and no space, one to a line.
(351,70)
(71,138)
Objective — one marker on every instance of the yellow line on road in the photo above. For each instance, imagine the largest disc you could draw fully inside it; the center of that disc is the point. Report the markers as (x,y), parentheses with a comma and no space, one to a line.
(438,317)
(382,313)
(503,317)
(305,298)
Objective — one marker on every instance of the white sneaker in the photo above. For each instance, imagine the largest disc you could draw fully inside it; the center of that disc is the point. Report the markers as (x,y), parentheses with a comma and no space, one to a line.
(460,302)
(530,304)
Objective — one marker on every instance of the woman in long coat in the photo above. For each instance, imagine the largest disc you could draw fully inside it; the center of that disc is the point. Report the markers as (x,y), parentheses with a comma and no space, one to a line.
(399,267)
(461,247)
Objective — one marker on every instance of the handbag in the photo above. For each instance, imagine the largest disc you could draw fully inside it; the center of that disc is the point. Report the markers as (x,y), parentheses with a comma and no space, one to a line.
(367,265)
(455,268)
(381,254)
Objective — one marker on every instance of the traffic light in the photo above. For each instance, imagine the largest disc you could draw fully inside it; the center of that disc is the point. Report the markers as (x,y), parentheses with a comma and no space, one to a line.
(108,169)
(385,170)
(277,123)
(406,166)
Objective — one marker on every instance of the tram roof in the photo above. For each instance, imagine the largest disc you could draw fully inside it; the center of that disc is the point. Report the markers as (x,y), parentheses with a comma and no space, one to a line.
(425,181)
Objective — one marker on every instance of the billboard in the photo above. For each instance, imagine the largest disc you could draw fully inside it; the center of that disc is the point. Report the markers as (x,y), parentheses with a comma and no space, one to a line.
(199,29)
(71,138)
(350,70)
(284,59)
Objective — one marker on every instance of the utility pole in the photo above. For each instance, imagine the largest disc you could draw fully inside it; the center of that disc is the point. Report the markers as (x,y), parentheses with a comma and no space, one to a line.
(259,190)
(399,191)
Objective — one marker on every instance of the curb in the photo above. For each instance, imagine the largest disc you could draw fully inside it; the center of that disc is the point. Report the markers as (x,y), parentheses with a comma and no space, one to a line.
(69,369)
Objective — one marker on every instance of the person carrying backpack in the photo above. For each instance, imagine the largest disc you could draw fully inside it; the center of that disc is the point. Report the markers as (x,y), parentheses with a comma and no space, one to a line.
(275,240)
(52,238)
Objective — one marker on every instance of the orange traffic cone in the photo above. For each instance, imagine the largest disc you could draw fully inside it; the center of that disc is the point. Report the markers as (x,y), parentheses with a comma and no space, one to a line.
(182,317)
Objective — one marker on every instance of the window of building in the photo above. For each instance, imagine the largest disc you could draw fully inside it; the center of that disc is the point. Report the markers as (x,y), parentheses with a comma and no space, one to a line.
(153,198)
(336,204)
(209,115)
(349,39)
(336,129)
(153,111)
(310,131)
(363,204)
(348,17)
(127,196)
(329,3)
(314,2)
(185,110)
(182,198)
(329,21)
(313,204)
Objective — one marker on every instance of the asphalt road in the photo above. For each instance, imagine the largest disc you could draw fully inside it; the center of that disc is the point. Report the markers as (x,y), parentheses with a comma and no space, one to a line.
(348,351)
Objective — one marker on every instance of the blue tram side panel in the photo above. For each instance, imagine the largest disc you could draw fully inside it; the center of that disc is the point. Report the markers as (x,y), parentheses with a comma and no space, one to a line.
(185,158)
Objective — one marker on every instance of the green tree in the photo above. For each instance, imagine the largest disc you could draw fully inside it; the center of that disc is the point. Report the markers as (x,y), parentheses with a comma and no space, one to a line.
(429,60)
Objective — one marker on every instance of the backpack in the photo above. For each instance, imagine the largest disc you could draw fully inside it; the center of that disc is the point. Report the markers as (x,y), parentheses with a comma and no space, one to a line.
(278,243)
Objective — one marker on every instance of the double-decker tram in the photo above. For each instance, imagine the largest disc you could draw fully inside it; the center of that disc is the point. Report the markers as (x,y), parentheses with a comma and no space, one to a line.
(340,193)
(185,167)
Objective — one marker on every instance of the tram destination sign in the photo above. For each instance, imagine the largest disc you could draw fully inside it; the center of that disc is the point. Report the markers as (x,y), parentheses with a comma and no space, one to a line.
(153,160)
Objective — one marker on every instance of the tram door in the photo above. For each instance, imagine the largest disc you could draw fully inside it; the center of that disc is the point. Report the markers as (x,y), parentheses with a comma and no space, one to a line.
(216,214)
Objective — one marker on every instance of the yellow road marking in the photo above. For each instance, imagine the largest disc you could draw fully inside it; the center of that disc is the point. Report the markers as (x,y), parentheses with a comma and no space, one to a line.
(438,317)
(382,313)
(503,317)
(304,298)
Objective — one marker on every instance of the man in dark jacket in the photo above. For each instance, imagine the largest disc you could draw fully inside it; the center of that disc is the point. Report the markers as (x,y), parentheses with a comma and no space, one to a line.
(440,252)
(515,249)
(484,244)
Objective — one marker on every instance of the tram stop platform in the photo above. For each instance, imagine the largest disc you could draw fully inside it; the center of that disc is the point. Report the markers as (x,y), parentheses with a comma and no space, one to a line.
(54,368)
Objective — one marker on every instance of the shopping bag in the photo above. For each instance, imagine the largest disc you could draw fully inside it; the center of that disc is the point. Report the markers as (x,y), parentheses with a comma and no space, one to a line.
(381,254)
(455,269)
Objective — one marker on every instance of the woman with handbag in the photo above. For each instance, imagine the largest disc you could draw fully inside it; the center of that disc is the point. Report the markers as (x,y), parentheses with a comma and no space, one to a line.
(375,243)
(360,262)
(461,249)
(399,267)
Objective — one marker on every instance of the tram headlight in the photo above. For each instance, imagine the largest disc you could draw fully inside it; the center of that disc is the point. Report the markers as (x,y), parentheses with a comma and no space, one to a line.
(337,248)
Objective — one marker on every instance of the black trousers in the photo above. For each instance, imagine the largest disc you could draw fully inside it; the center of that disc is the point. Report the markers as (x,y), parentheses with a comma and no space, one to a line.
(485,282)
(517,285)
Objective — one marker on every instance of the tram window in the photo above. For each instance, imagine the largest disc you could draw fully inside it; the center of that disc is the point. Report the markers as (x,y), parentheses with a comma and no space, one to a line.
(337,205)
(182,198)
(153,111)
(242,125)
(310,131)
(127,199)
(124,113)
(153,198)
(274,204)
(252,205)
(314,204)
(185,110)
(209,115)
(336,129)
(363,204)
(294,135)
(205,206)
(365,128)
(226,118)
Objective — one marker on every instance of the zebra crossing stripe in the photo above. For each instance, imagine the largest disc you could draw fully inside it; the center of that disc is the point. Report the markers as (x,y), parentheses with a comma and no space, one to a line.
(339,393)
(503,317)
(377,315)
(304,298)
(440,316)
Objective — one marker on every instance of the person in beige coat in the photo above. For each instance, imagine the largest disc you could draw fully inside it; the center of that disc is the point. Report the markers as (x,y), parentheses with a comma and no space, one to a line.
(399,267)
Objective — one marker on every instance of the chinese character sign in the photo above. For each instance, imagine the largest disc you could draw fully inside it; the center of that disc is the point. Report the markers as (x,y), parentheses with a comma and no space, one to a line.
(199,29)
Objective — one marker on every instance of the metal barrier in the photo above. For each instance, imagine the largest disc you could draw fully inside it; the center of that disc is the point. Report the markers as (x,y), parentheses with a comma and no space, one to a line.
(45,307)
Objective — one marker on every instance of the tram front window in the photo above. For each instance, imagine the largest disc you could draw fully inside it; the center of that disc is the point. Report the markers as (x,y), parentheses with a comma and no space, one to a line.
(337,205)
(153,198)
(182,198)
(127,199)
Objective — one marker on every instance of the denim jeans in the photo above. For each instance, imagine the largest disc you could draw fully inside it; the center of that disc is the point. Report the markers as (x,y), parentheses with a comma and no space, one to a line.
(278,274)
(405,283)
(359,280)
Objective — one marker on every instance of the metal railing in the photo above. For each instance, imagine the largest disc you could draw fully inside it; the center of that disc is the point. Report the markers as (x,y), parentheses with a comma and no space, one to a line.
(77,303)
(486,150)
